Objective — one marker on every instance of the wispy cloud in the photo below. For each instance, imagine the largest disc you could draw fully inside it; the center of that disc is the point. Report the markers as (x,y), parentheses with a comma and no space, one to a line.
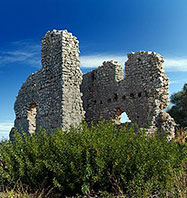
(176,64)
(21,52)
(171,64)
(28,52)
(177,81)
(5,127)
(90,61)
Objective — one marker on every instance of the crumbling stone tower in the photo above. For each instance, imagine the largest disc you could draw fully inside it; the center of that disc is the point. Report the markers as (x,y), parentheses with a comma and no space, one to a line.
(51,97)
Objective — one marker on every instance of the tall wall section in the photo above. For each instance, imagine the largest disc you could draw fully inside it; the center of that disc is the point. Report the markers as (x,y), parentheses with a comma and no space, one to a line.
(51,97)
(72,105)
(58,95)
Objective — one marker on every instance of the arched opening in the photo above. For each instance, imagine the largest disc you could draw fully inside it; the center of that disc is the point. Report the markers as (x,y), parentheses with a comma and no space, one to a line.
(124,118)
(120,116)
(31,116)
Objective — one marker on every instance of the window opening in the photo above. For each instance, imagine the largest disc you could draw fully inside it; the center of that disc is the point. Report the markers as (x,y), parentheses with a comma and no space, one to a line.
(31,116)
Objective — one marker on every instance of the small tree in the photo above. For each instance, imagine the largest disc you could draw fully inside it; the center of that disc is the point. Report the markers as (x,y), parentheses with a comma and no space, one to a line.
(179,109)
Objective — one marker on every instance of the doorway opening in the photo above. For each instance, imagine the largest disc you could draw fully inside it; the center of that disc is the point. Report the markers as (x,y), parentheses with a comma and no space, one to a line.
(124,118)
(120,116)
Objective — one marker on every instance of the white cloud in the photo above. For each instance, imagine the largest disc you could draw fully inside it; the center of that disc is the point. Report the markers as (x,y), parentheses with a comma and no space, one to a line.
(176,81)
(28,52)
(21,52)
(175,64)
(91,61)
(5,127)
(171,64)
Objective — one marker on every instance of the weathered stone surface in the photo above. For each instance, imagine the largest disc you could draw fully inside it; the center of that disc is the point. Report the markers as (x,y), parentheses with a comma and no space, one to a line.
(51,97)
(142,94)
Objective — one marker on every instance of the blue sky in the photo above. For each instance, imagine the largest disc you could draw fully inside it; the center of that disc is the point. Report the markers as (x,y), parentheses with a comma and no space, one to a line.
(106,29)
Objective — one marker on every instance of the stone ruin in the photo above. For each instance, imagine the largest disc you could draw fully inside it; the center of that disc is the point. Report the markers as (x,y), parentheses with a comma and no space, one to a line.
(59,95)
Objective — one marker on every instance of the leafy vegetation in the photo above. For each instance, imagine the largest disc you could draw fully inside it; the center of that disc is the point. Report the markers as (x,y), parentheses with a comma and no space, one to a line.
(179,110)
(102,158)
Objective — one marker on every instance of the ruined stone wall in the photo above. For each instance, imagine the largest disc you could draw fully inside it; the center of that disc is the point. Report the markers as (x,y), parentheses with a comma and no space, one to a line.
(51,97)
(142,94)
(100,91)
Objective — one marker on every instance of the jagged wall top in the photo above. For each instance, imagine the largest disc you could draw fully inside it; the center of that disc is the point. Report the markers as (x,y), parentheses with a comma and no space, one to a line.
(51,97)
(142,94)
(54,43)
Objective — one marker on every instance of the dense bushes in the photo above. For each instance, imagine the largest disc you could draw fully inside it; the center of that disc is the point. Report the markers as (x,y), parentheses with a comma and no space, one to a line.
(87,160)
(179,109)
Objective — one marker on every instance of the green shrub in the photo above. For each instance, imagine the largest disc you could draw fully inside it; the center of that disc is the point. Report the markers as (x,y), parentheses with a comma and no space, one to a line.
(87,160)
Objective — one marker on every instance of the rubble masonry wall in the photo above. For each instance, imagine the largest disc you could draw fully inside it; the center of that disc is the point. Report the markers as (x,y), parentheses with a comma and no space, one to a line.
(142,93)
(58,95)
(55,89)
